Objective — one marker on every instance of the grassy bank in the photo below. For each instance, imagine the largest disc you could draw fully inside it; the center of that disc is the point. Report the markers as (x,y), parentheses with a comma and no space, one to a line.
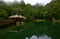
(39,20)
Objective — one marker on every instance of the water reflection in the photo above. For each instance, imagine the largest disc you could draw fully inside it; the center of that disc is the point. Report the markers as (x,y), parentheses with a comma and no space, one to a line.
(40,37)
(33,30)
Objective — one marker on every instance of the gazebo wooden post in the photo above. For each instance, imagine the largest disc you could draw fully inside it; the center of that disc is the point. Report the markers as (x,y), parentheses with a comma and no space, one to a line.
(18,22)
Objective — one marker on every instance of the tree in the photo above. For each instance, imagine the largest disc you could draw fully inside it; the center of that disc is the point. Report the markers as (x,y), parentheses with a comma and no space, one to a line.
(53,9)
(3,14)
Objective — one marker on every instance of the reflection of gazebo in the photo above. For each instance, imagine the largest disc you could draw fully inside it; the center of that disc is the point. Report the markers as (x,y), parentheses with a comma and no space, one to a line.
(19,18)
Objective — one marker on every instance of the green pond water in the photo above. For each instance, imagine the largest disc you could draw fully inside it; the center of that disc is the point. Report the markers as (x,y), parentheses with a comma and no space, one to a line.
(31,30)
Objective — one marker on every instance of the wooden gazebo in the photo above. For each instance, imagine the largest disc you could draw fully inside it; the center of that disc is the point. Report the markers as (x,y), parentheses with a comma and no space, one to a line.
(18,18)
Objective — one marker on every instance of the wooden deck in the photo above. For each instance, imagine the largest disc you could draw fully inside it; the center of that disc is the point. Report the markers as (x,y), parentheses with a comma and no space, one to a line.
(2,22)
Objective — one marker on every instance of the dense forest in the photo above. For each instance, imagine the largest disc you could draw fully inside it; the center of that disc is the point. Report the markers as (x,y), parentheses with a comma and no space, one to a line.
(38,11)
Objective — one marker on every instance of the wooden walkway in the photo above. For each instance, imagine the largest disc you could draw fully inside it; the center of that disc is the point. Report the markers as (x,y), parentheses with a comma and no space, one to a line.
(2,22)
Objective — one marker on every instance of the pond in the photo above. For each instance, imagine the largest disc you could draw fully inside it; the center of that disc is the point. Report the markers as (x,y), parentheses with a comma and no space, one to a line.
(32,30)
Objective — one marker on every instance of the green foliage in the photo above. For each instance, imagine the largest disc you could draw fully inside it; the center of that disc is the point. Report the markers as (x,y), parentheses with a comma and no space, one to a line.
(53,9)
(3,14)
(38,11)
